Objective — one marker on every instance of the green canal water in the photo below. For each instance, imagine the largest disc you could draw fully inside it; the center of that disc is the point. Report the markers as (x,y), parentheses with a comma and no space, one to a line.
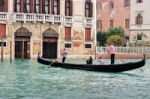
(31,80)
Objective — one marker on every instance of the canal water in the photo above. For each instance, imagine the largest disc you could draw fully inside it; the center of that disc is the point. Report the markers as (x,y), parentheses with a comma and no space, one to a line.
(31,80)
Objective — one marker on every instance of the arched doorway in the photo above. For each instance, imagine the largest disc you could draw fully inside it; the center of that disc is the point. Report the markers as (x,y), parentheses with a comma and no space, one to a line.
(22,43)
(50,44)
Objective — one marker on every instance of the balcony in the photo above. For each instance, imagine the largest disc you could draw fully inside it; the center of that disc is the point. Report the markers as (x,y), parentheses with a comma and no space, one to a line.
(3,16)
(32,17)
(29,17)
(68,20)
(139,27)
(88,22)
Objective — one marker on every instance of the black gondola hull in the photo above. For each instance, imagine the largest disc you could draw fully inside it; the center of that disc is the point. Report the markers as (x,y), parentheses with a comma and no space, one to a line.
(95,67)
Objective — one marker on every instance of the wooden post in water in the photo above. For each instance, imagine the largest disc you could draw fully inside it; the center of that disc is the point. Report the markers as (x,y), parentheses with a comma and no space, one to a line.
(23,50)
(1,49)
(95,51)
(10,52)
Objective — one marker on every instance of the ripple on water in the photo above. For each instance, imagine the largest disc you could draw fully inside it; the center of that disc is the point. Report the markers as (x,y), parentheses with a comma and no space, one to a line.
(31,80)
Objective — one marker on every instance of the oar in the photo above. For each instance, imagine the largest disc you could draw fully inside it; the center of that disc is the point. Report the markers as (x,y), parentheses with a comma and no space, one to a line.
(52,63)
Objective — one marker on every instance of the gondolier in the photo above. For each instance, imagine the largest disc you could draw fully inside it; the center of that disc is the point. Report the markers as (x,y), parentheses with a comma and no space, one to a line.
(64,54)
(112,50)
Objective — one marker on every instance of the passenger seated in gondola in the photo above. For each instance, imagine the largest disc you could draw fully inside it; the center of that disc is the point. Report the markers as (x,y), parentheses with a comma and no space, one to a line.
(101,61)
(89,61)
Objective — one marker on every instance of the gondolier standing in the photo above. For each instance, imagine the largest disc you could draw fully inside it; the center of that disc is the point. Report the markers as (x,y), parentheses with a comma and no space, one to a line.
(64,55)
(111,50)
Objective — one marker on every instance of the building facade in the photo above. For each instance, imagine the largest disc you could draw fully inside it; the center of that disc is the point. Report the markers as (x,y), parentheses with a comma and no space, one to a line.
(113,13)
(29,27)
(140,21)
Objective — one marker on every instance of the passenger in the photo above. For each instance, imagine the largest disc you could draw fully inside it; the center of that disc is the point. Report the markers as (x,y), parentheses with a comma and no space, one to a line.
(101,61)
(90,60)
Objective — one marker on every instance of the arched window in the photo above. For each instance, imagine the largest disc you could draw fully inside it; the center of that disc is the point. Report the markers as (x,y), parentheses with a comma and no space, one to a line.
(55,7)
(126,3)
(139,19)
(99,5)
(17,6)
(88,8)
(37,6)
(45,6)
(139,1)
(26,6)
(68,7)
(111,4)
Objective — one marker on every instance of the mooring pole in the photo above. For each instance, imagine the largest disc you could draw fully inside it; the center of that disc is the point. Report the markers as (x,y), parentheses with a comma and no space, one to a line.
(1,49)
(10,51)
(23,50)
(95,51)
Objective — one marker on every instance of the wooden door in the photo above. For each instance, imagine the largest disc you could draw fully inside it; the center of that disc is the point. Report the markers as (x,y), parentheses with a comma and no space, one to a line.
(50,48)
(22,48)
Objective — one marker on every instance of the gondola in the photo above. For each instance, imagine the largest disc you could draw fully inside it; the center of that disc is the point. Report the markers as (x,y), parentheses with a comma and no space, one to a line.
(95,67)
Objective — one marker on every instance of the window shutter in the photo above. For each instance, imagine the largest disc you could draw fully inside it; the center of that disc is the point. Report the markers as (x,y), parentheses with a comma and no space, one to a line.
(43,6)
(85,9)
(5,5)
(58,9)
(2,30)
(49,6)
(40,4)
(91,9)
(71,7)
(52,6)
(21,5)
(88,34)
(31,6)
(67,33)
(15,6)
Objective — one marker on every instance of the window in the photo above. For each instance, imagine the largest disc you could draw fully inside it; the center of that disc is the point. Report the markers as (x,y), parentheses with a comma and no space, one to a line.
(139,37)
(99,5)
(99,25)
(68,8)
(26,8)
(37,6)
(45,6)
(139,1)
(126,23)
(17,6)
(4,43)
(139,19)
(68,33)
(88,45)
(111,4)
(126,3)
(56,7)
(87,34)
(88,8)
(111,23)
(68,45)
